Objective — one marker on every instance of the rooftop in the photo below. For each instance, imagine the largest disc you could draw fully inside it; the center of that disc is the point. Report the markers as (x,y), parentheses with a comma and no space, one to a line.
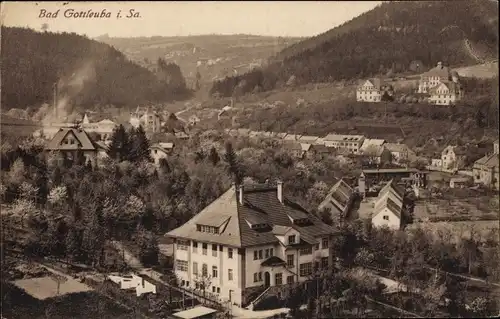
(195,312)
(83,141)
(260,206)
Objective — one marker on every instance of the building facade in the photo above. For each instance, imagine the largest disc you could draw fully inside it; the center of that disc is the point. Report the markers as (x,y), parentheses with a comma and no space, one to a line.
(147,118)
(453,157)
(442,85)
(249,239)
(486,169)
(351,143)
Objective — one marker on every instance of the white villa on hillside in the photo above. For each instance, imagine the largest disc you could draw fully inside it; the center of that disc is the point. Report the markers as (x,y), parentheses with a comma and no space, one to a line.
(104,128)
(372,90)
(442,84)
(249,240)
(147,118)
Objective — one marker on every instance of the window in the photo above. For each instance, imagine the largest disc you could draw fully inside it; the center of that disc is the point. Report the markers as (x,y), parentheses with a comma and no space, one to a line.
(324,243)
(267,253)
(230,274)
(255,277)
(213,288)
(187,283)
(230,253)
(204,248)
(289,261)
(204,270)
(386,217)
(260,254)
(278,279)
(260,276)
(156,151)
(271,252)
(218,290)
(291,239)
(305,269)
(207,229)
(195,268)
(215,272)
(306,251)
(324,262)
(214,250)
(255,255)
(181,265)
(182,245)
(289,279)
(195,247)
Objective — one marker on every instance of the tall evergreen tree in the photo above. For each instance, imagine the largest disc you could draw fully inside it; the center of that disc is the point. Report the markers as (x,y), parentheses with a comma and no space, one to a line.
(234,167)
(139,146)
(119,148)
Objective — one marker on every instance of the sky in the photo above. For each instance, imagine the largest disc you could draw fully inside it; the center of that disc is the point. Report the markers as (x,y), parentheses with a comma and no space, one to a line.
(183,18)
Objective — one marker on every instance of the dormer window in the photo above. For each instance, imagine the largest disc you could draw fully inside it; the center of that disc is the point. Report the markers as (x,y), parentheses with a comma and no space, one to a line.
(291,239)
(207,229)
(259,226)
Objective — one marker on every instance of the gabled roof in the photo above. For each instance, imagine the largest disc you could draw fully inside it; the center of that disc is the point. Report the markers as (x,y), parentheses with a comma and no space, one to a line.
(490,161)
(305,147)
(320,148)
(450,86)
(260,202)
(339,196)
(371,141)
(308,139)
(295,146)
(292,137)
(388,202)
(397,147)
(85,143)
(377,83)
(438,71)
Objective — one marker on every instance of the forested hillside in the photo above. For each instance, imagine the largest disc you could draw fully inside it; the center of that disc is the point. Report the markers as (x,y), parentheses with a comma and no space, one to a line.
(87,72)
(384,40)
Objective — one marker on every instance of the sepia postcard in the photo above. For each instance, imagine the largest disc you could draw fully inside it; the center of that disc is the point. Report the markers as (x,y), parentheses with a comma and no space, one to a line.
(249,159)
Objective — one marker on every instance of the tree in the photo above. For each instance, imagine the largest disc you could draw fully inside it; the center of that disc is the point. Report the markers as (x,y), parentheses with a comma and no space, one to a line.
(214,156)
(139,146)
(148,247)
(234,167)
(119,148)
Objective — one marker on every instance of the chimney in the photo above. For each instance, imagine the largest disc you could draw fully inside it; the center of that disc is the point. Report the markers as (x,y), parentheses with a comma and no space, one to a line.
(240,194)
(440,65)
(280,191)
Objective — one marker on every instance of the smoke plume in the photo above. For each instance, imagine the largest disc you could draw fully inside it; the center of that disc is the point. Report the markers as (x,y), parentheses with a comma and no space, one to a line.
(68,87)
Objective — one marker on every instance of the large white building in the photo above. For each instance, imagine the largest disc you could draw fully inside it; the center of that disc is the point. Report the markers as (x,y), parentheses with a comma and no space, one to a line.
(248,241)
(388,208)
(442,85)
(350,143)
(147,118)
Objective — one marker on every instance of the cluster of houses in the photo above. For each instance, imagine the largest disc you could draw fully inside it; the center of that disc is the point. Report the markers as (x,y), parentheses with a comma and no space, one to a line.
(484,171)
(440,86)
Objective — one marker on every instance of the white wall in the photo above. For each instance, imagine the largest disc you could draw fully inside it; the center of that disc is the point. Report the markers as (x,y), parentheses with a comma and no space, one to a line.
(379,221)
(221,261)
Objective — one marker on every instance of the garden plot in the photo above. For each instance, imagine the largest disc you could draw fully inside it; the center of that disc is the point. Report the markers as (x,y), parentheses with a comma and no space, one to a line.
(47,287)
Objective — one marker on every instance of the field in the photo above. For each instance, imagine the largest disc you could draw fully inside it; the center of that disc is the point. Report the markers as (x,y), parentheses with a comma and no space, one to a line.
(485,71)
(46,287)
(20,305)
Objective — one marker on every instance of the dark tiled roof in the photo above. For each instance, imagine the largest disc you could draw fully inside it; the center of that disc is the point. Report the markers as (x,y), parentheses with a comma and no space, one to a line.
(84,142)
(260,203)
(321,149)
(292,146)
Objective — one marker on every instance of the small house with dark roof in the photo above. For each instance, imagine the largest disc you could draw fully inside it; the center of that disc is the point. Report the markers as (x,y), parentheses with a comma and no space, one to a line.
(339,200)
(250,239)
(67,142)
(373,90)
(295,149)
(161,150)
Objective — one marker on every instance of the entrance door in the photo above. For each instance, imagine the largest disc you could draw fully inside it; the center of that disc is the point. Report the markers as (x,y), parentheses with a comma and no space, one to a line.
(267,279)
(230,295)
